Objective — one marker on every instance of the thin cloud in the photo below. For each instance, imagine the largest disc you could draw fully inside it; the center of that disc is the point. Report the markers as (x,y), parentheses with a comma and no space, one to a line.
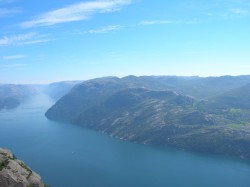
(238,12)
(76,12)
(232,13)
(24,39)
(6,1)
(192,21)
(11,66)
(155,22)
(13,57)
(4,12)
(106,29)
(29,42)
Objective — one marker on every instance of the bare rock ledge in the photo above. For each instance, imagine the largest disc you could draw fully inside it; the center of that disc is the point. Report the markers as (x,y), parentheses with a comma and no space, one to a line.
(14,173)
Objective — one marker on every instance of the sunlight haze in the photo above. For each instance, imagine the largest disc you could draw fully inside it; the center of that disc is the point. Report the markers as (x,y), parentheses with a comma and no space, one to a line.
(78,40)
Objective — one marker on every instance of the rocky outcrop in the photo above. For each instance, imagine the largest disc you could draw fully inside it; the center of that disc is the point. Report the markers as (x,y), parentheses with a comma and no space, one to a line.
(14,173)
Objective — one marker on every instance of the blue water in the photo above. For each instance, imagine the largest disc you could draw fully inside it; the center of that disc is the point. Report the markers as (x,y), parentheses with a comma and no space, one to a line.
(66,155)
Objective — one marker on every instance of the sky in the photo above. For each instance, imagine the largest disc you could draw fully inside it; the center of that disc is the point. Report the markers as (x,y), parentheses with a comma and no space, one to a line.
(48,41)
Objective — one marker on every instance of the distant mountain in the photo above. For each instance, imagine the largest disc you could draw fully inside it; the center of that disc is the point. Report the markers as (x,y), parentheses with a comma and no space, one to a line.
(164,111)
(12,95)
(199,87)
(58,89)
(213,86)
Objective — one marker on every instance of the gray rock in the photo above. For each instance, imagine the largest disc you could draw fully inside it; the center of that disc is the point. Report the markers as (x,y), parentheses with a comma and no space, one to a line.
(14,173)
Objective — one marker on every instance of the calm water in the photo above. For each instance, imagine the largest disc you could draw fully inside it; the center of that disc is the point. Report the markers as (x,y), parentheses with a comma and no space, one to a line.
(71,156)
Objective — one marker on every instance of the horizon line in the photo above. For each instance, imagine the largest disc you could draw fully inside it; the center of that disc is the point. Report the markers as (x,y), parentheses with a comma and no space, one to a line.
(120,77)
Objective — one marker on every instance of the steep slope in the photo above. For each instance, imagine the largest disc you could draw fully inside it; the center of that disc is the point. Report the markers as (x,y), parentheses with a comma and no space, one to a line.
(84,96)
(165,118)
(139,111)
(92,92)
(145,110)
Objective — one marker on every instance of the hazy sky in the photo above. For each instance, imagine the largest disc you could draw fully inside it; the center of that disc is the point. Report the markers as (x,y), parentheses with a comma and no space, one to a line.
(53,40)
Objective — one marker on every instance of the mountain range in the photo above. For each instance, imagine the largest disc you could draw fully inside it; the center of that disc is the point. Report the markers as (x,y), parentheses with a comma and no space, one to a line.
(210,115)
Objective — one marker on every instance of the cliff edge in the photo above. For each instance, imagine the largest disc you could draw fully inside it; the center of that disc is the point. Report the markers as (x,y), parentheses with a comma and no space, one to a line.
(14,173)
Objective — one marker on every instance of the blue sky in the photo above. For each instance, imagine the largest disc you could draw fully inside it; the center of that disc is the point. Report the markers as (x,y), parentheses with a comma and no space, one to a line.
(49,41)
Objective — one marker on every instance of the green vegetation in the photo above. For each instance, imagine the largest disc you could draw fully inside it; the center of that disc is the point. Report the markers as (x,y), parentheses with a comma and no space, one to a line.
(33,185)
(4,164)
(4,154)
(27,168)
(16,176)
(239,125)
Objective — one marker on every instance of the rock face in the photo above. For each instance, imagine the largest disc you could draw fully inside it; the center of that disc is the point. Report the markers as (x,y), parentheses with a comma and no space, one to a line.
(14,173)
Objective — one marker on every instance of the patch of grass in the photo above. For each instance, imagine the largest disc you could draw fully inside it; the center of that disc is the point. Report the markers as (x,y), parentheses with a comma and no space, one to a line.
(235,111)
(239,125)
(3,164)
(28,169)
(35,185)
(12,158)
(4,154)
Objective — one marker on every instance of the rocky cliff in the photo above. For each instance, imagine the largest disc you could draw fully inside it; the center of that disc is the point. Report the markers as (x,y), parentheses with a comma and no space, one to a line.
(14,173)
